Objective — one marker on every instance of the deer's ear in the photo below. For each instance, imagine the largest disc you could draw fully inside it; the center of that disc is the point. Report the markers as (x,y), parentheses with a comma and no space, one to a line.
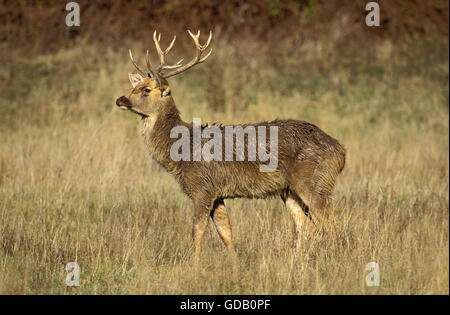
(135,79)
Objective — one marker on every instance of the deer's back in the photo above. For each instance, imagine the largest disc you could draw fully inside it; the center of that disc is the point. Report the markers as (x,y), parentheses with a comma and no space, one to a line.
(302,147)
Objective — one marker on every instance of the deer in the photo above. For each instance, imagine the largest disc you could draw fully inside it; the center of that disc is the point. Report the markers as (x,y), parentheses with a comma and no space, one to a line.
(309,160)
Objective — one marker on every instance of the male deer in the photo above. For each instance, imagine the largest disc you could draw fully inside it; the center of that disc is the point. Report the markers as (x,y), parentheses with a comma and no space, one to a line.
(308,159)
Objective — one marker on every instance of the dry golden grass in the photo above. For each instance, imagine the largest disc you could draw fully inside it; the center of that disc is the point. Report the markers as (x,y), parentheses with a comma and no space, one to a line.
(76,183)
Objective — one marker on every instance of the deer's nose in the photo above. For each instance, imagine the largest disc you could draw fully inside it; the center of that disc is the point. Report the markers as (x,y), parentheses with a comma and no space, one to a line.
(123,102)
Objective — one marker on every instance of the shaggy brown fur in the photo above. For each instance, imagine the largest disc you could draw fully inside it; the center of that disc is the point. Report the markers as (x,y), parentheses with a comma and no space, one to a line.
(308,163)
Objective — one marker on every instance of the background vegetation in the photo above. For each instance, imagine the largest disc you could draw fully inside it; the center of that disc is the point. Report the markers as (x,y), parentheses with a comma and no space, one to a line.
(76,183)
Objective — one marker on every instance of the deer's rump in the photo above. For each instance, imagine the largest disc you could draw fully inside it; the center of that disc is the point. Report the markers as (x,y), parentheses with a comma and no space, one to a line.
(303,151)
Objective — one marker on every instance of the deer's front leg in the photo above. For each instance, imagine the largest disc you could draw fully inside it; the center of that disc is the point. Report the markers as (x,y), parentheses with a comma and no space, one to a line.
(202,209)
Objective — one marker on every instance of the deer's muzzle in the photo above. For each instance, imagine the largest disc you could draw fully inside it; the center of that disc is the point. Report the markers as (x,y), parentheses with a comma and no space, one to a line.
(123,102)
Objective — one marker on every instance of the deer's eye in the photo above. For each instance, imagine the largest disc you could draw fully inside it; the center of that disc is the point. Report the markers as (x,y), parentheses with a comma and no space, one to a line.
(147,90)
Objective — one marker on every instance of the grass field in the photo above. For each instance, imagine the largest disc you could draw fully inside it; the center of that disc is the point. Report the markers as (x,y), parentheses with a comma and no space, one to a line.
(77,185)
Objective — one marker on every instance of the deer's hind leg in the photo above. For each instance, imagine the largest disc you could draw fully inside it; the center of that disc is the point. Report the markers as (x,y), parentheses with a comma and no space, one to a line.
(300,214)
(315,190)
(221,220)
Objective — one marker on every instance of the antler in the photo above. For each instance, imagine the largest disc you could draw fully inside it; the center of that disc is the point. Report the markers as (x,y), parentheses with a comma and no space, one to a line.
(149,72)
(162,54)
(198,54)
(179,68)
(135,64)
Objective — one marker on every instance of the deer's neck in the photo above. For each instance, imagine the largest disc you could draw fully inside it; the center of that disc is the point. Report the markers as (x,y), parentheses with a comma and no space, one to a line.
(156,132)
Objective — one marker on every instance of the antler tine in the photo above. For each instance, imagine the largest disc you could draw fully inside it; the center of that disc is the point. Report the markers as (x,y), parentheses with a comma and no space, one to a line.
(149,65)
(206,56)
(196,40)
(198,54)
(174,66)
(135,64)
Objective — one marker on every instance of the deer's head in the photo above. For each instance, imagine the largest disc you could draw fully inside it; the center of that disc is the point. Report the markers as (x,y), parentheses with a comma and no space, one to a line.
(151,91)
